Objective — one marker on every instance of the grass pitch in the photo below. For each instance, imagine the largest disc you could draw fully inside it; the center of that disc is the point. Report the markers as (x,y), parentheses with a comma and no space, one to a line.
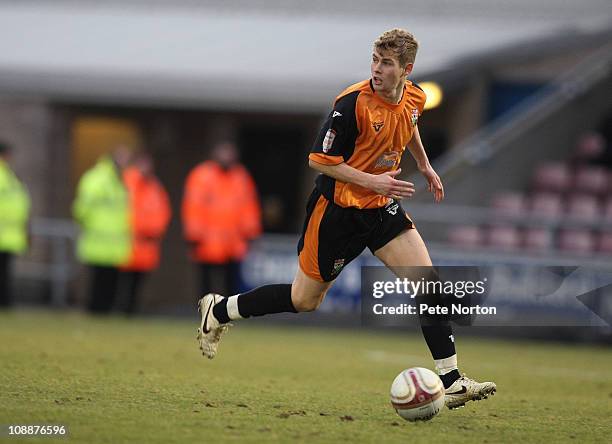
(117,380)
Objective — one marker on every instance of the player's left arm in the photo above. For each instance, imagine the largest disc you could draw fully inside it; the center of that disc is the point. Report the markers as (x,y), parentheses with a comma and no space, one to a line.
(416,148)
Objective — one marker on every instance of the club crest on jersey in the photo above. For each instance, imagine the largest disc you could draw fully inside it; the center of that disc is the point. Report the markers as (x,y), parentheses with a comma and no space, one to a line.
(328,141)
(414,116)
(338,264)
(378,125)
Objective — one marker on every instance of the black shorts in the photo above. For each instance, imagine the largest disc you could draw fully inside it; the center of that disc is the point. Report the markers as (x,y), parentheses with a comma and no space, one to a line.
(333,236)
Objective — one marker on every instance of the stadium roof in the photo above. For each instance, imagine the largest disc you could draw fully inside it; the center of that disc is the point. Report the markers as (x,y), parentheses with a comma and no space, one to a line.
(252,54)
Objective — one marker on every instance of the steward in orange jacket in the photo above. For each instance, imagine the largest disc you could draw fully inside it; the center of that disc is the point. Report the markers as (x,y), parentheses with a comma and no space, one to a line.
(221,214)
(149,217)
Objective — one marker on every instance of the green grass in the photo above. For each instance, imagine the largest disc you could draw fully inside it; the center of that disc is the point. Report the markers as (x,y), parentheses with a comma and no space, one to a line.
(117,380)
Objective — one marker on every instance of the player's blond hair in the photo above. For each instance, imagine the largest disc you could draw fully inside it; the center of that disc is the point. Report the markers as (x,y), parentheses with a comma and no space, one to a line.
(399,42)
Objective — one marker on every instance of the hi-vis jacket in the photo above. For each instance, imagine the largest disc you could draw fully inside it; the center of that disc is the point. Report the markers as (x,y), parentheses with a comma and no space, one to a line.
(220,212)
(14,212)
(101,209)
(149,216)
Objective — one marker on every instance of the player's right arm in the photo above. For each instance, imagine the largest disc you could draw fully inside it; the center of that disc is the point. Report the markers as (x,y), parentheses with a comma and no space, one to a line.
(384,184)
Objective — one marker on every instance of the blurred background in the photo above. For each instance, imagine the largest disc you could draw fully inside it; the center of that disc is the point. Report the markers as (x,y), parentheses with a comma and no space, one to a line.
(519,125)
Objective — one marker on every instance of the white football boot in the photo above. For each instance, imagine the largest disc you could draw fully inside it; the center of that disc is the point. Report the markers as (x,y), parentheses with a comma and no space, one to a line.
(210,330)
(465,389)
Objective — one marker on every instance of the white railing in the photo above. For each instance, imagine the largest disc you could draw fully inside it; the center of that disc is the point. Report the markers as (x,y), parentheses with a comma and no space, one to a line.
(467,214)
(58,266)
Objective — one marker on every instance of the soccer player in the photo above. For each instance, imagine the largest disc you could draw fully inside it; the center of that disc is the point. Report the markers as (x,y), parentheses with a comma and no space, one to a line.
(355,204)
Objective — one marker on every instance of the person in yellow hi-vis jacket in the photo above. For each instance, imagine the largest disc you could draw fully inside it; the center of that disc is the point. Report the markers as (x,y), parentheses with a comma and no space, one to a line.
(101,209)
(14,213)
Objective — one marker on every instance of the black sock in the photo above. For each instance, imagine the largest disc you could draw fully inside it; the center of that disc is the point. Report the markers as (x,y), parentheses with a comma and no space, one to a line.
(268,299)
(441,346)
(449,378)
(438,338)
(437,331)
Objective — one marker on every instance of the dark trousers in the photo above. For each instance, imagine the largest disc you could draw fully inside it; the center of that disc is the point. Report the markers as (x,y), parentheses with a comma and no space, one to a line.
(219,278)
(5,280)
(131,283)
(103,288)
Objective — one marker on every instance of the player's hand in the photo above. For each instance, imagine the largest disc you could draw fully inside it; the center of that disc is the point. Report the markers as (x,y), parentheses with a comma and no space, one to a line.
(386,185)
(434,184)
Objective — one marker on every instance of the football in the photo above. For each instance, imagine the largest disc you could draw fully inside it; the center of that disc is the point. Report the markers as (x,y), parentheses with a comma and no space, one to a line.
(417,394)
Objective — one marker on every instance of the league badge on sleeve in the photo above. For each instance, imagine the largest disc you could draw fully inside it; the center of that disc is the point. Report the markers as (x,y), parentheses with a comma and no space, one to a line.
(414,116)
(328,141)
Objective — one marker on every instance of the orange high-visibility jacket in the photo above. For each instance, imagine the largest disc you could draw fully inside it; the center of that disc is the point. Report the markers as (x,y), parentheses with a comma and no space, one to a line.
(149,216)
(221,212)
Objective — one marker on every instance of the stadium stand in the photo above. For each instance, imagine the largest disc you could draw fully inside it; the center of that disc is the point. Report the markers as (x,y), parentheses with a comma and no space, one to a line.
(577,191)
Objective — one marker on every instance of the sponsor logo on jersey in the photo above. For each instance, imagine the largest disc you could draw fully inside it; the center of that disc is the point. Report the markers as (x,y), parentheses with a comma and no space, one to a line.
(338,264)
(387,159)
(328,141)
(336,114)
(414,116)
(378,125)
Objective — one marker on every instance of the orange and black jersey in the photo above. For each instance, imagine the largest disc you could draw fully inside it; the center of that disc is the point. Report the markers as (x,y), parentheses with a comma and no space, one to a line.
(367,133)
